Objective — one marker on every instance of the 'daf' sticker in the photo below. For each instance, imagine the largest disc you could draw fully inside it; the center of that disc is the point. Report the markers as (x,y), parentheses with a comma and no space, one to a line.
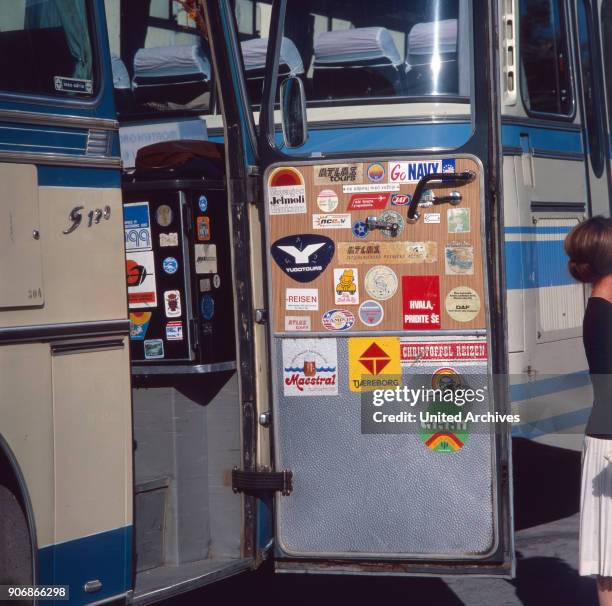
(286,192)
(303,257)
(310,367)
(381,282)
(462,304)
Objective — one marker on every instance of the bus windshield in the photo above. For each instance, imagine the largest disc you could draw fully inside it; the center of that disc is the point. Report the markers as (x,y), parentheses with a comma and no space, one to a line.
(357,51)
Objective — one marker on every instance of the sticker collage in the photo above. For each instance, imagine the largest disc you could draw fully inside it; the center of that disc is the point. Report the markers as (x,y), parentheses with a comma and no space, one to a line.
(345,260)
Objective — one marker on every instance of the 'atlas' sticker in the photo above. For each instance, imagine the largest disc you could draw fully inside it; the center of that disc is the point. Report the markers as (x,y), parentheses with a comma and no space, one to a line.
(170,265)
(371,202)
(389,253)
(332,174)
(164,215)
(339,221)
(302,299)
(413,172)
(374,363)
(172,303)
(287,192)
(338,319)
(421,302)
(327,200)
(462,304)
(459,258)
(174,331)
(139,324)
(346,286)
(137,225)
(371,313)
(153,349)
(170,239)
(203,228)
(310,367)
(458,220)
(205,258)
(207,307)
(303,257)
(297,323)
(141,285)
(381,282)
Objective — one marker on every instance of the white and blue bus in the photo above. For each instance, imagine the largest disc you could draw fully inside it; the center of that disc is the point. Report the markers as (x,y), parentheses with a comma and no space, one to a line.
(363,189)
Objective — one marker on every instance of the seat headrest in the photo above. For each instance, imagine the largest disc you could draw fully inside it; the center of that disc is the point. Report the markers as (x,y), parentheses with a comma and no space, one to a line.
(164,61)
(254,55)
(121,77)
(354,45)
(433,36)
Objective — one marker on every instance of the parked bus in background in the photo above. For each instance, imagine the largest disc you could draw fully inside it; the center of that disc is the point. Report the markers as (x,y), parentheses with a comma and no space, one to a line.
(340,198)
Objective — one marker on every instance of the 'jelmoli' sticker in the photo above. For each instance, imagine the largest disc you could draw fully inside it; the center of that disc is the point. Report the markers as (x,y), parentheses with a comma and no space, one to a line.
(387,252)
(303,257)
(287,192)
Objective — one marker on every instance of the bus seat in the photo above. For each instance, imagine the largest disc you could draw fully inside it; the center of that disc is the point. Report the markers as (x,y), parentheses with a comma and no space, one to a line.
(122,85)
(254,55)
(431,62)
(172,77)
(357,62)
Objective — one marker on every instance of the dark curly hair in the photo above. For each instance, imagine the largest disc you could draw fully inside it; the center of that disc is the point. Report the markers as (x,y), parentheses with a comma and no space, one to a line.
(589,248)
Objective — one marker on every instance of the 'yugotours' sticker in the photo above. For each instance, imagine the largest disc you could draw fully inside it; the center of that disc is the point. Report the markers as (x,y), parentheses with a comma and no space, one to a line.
(462,304)
(421,302)
(172,303)
(207,307)
(376,172)
(203,203)
(286,192)
(203,228)
(327,200)
(139,324)
(297,323)
(170,265)
(459,258)
(414,171)
(303,257)
(310,367)
(371,313)
(174,331)
(338,319)
(153,349)
(381,282)
(346,286)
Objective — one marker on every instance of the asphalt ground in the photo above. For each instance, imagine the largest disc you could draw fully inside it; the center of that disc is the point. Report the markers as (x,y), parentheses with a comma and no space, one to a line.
(546,497)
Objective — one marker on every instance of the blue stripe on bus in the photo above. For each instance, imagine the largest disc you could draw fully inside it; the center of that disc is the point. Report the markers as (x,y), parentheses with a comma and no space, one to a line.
(106,556)
(529,229)
(543,387)
(556,424)
(531,264)
(76,176)
(543,139)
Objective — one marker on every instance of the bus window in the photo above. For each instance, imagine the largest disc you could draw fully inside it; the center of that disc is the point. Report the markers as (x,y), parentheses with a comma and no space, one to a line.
(161,63)
(45,48)
(545,75)
(344,50)
(590,82)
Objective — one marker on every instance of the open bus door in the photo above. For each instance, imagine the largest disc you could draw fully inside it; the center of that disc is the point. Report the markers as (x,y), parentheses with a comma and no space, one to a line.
(358,294)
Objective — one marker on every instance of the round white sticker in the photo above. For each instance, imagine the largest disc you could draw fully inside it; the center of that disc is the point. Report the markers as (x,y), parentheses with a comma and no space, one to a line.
(381,282)
(462,304)
(327,200)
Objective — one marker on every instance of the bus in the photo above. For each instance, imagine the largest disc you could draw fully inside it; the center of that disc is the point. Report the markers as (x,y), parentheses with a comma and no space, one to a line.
(246,223)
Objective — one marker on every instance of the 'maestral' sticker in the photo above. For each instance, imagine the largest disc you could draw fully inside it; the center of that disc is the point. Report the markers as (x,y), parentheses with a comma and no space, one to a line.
(310,367)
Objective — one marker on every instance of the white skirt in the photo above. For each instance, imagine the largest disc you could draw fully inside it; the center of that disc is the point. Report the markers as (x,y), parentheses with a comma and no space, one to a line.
(596,508)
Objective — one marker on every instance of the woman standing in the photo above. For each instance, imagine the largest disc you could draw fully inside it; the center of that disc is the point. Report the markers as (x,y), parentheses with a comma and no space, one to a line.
(589,247)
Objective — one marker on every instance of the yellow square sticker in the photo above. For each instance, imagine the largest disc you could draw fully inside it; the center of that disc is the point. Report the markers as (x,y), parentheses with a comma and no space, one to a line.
(374,363)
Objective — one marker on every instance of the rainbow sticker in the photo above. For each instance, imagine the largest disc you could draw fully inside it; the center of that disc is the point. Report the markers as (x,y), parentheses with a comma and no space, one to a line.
(443,435)
(376,172)
(285,176)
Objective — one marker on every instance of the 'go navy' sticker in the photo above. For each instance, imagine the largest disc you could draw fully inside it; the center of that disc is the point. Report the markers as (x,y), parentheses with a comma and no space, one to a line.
(303,257)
